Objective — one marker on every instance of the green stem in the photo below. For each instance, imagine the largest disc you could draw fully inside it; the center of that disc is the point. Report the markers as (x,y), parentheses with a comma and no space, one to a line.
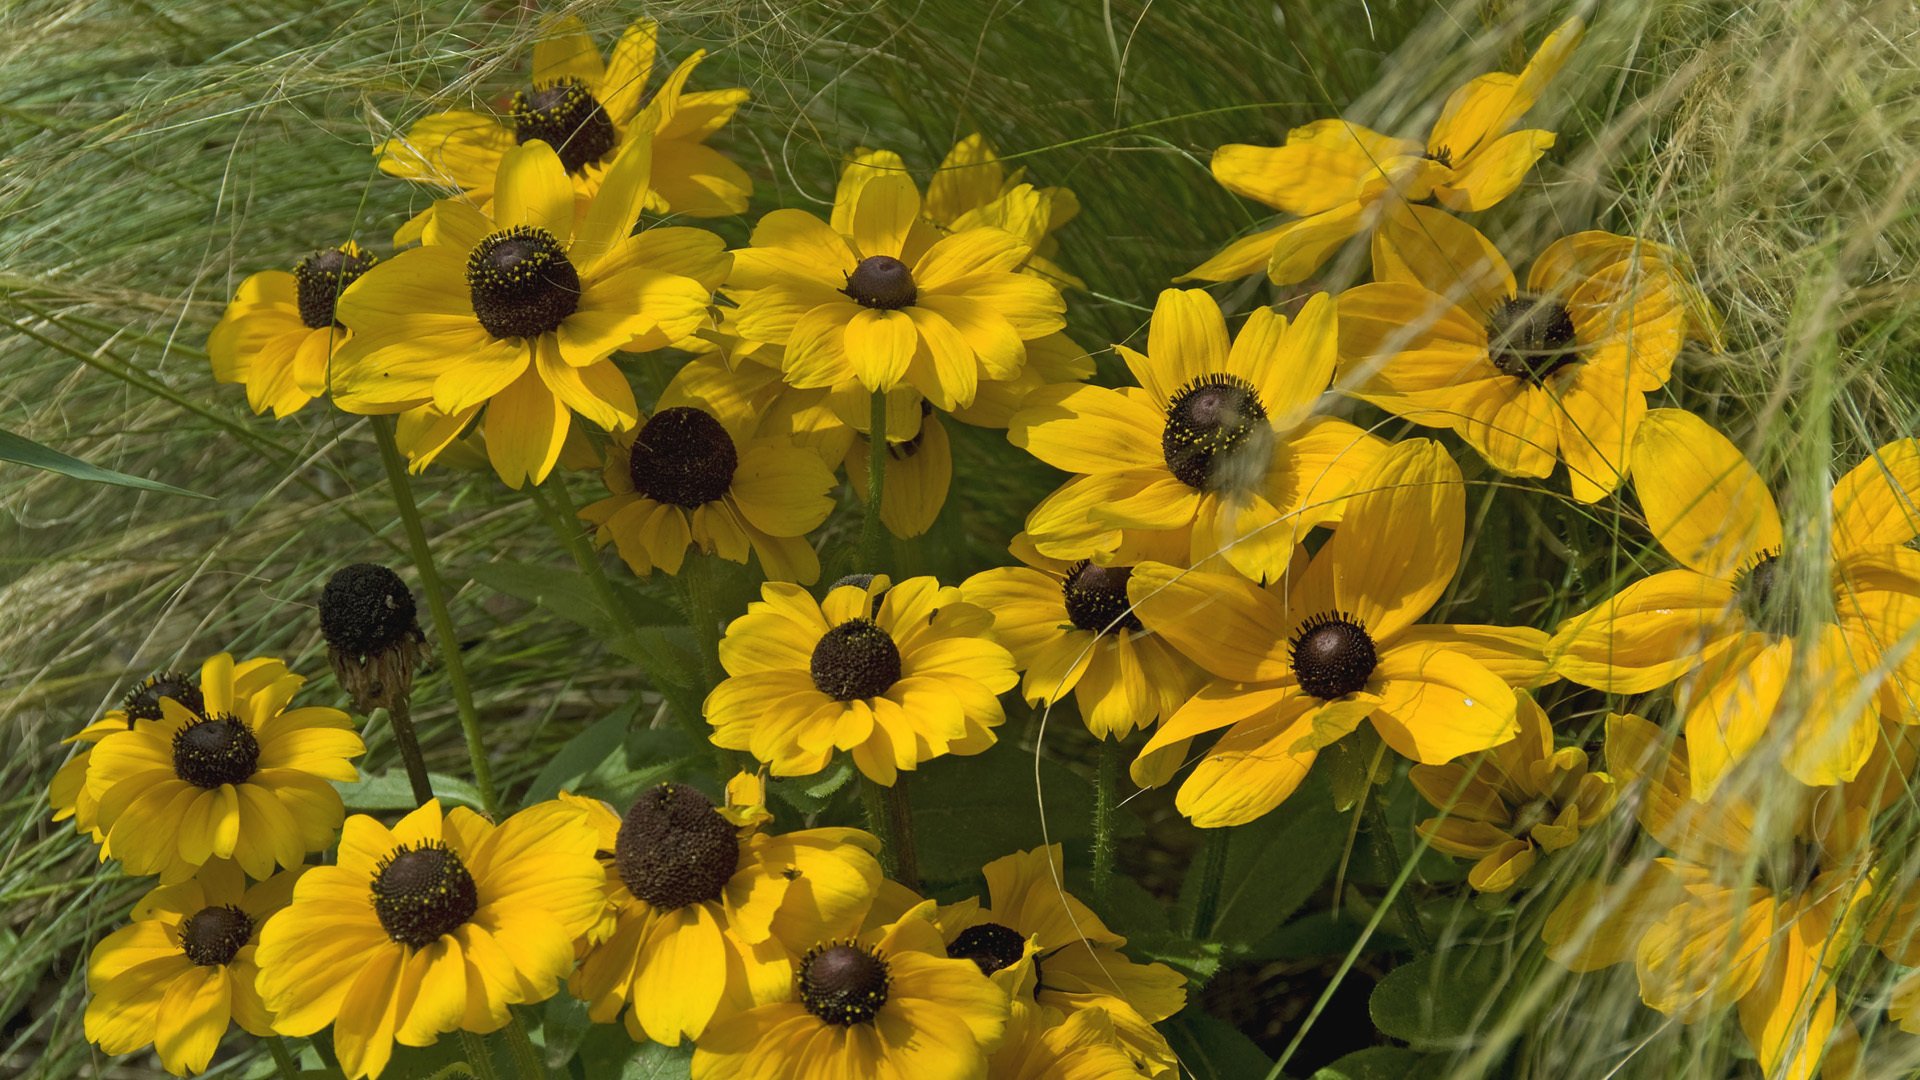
(436,594)
(558,511)
(1388,853)
(873,534)
(478,1055)
(400,713)
(526,1057)
(283,1058)
(891,819)
(703,610)
(1213,872)
(1106,787)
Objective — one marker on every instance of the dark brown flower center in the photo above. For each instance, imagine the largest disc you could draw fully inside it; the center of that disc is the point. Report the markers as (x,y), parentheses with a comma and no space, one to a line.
(214,935)
(321,277)
(856,659)
(684,457)
(1333,655)
(883,282)
(365,609)
(421,893)
(1096,597)
(843,983)
(215,750)
(143,701)
(521,283)
(990,945)
(569,119)
(1531,337)
(1766,597)
(675,849)
(1217,433)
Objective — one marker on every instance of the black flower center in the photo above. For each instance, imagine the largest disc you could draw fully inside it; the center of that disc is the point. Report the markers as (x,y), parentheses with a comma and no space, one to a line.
(675,849)
(569,119)
(990,945)
(213,935)
(1333,655)
(321,277)
(906,448)
(684,457)
(856,659)
(1444,156)
(143,701)
(882,281)
(423,892)
(215,750)
(1531,337)
(843,983)
(1097,597)
(521,282)
(1217,433)
(1764,596)
(365,609)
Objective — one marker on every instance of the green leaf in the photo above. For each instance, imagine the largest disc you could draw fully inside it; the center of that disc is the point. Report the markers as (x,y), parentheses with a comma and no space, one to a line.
(1199,961)
(23,451)
(1321,933)
(1273,865)
(608,1054)
(1212,1049)
(390,790)
(583,753)
(1381,1063)
(968,811)
(812,794)
(1441,999)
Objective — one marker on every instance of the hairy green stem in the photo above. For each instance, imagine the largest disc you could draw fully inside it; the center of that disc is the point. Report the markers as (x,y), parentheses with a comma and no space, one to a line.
(436,594)
(400,714)
(283,1058)
(873,534)
(478,1055)
(1388,853)
(1105,790)
(526,1057)
(1213,873)
(891,819)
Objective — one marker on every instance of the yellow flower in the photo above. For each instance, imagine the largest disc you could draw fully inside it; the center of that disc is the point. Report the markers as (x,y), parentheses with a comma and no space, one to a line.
(1044,1044)
(1701,942)
(1216,453)
(1514,803)
(1301,662)
(1729,623)
(710,915)
(184,968)
(589,110)
(245,778)
(971,187)
(279,332)
(1071,628)
(697,476)
(436,925)
(1558,371)
(878,297)
(67,793)
(519,311)
(1335,177)
(1045,948)
(896,674)
(888,1003)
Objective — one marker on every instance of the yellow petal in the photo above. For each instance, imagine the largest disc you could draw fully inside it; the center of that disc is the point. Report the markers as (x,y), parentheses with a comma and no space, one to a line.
(1420,245)
(886,208)
(1399,542)
(1227,625)
(1878,501)
(532,189)
(1704,502)
(879,345)
(1436,705)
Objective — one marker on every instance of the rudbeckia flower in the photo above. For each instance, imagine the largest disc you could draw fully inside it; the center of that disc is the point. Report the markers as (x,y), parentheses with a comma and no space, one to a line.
(589,110)
(972,187)
(1336,178)
(710,915)
(1514,803)
(1048,950)
(1302,661)
(1728,625)
(244,778)
(519,311)
(1702,941)
(184,969)
(1044,1044)
(695,476)
(896,674)
(68,794)
(918,472)
(889,1003)
(279,332)
(436,925)
(1216,452)
(1072,629)
(1559,370)
(879,298)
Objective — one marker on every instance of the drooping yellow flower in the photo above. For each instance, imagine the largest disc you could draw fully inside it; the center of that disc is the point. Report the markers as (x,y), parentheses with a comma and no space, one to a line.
(1048,950)
(519,311)
(697,476)
(1729,625)
(589,110)
(184,969)
(436,925)
(244,778)
(1559,371)
(879,298)
(895,674)
(917,473)
(889,1003)
(1514,803)
(279,332)
(1071,628)
(1701,934)
(1217,451)
(1301,662)
(710,915)
(1335,178)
